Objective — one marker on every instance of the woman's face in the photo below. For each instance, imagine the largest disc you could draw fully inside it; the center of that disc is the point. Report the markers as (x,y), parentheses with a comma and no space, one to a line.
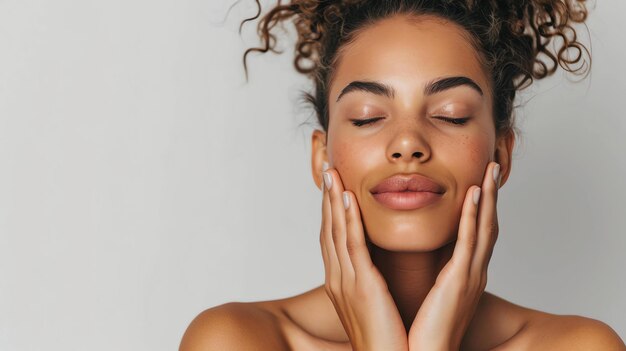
(405,55)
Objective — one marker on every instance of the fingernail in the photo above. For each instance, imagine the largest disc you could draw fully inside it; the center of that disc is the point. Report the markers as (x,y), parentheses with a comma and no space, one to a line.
(324,166)
(328,181)
(476,196)
(496,173)
(346,200)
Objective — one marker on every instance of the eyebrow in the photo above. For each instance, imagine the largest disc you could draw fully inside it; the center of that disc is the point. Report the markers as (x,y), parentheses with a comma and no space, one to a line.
(433,87)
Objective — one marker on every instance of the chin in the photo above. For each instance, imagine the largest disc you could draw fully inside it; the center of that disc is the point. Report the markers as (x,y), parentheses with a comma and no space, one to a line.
(410,237)
(421,230)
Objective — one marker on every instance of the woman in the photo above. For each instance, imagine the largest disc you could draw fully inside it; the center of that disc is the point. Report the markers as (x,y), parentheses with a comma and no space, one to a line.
(415,102)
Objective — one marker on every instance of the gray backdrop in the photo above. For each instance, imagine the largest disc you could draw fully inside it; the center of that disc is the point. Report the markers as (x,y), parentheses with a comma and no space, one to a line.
(142,181)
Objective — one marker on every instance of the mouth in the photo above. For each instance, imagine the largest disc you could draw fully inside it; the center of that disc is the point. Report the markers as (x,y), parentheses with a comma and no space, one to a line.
(407,191)
(407,200)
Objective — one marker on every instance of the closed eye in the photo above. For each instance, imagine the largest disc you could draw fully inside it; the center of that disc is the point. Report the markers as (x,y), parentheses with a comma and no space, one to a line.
(361,122)
(455,121)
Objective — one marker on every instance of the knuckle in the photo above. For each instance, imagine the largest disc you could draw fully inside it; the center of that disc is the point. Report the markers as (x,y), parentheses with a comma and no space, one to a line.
(352,247)
(472,241)
(468,288)
(348,217)
(493,228)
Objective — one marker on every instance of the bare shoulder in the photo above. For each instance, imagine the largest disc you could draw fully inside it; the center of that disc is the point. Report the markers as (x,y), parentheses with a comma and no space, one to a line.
(547,331)
(234,326)
(505,326)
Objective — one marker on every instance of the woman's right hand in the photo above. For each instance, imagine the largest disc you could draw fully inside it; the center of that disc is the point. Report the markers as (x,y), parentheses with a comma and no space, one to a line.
(353,283)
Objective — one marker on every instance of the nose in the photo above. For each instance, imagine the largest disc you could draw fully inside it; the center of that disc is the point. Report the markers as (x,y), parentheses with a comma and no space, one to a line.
(408,146)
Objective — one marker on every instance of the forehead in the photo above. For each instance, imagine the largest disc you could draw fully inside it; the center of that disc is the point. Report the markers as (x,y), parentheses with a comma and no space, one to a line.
(406,53)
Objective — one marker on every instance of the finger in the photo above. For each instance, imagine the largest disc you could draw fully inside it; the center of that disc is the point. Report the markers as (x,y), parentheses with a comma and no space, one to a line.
(324,255)
(466,241)
(487,222)
(332,268)
(322,243)
(355,241)
(490,254)
(339,223)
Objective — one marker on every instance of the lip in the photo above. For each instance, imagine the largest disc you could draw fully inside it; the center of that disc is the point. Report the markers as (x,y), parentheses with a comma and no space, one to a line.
(407,191)
(407,200)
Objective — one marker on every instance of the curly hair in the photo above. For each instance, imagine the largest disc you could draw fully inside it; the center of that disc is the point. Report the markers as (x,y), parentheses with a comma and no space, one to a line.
(511,36)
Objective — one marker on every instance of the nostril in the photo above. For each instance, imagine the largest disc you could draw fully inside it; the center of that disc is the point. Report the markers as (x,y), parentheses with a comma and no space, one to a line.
(417,154)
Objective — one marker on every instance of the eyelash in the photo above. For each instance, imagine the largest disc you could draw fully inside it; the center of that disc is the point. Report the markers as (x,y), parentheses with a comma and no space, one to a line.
(455,121)
(361,122)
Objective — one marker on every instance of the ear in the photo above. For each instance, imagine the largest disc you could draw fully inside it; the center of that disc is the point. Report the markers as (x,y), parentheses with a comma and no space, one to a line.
(503,154)
(318,156)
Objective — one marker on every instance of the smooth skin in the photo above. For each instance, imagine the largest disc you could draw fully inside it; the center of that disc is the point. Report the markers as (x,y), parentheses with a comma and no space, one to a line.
(420,285)
(359,292)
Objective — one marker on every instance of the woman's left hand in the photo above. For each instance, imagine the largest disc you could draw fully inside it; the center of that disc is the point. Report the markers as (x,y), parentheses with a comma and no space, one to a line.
(449,307)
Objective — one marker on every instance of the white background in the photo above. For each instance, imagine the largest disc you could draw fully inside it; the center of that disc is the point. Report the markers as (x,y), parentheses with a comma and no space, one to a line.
(143,181)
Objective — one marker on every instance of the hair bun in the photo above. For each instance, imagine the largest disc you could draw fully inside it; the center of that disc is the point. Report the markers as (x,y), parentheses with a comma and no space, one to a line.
(549,20)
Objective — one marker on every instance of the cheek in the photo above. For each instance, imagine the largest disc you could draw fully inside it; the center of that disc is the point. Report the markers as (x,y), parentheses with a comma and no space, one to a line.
(351,161)
(477,149)
(474,155)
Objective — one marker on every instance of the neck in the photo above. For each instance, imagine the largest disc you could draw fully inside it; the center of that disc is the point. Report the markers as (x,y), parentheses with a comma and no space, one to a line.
(410,276)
